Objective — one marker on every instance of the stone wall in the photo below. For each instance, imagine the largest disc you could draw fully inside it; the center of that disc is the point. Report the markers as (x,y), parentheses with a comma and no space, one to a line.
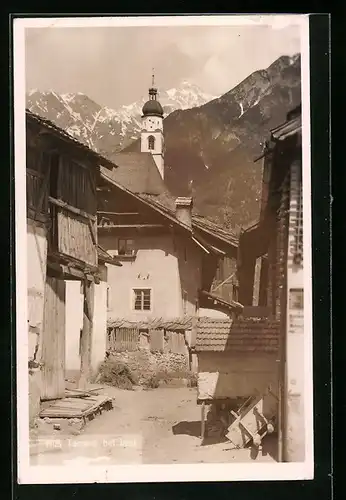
(145,363)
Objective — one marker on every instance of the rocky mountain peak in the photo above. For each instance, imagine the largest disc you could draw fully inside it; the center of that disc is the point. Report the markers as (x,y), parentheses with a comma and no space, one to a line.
(210,141)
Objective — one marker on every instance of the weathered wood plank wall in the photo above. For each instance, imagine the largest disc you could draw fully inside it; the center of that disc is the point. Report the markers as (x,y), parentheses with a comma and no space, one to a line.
(126,339)
(76,185)
(34,182)
(53,340)
(87,333)
(75,238)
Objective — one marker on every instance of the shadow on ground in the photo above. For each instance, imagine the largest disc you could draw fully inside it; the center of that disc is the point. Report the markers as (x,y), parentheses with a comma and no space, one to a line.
(269,447)
(193,428)
(188,428)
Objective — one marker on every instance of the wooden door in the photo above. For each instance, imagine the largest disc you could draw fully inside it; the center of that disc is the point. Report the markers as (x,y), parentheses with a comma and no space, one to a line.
(53,340)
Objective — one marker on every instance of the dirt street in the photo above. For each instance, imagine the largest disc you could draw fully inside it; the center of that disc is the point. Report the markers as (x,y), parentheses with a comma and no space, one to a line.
(146,426)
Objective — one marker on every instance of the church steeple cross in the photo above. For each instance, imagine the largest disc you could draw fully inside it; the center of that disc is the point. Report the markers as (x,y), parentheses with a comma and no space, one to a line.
(152,90)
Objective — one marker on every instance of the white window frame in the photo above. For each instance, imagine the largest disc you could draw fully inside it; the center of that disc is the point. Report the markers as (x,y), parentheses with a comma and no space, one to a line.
(133,299)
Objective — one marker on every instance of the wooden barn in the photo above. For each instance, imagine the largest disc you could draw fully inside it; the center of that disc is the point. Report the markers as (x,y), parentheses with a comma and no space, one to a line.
(275,245)
(62,246)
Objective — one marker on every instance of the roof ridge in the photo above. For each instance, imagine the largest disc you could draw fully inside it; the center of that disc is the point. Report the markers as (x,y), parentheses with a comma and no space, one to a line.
(60,131)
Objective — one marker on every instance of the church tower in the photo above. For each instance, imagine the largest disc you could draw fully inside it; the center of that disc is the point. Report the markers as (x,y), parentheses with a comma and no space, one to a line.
(152,130)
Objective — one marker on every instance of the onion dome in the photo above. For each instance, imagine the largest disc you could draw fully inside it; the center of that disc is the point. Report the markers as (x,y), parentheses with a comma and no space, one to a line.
(152,107)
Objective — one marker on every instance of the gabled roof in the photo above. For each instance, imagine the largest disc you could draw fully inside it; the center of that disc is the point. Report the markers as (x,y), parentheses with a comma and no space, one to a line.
(61,134)
(110,176)
(287,129)
(292,126)
(166,203)
(209,227)
(138,173)
(241,335)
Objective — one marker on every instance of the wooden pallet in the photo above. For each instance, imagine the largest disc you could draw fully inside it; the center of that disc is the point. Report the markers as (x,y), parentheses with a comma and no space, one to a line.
(79,393)
(253,420)
(77,407)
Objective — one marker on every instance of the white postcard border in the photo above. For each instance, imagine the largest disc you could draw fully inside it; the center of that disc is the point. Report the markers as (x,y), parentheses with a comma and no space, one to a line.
(31,474)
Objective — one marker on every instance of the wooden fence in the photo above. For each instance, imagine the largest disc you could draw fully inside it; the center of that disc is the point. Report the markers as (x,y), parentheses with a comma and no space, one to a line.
(128,339)
(123,339)
(176,342)
(157,340)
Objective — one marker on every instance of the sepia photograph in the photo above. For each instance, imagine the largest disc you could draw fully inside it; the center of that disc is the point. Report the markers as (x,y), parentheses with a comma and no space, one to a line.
(163,248)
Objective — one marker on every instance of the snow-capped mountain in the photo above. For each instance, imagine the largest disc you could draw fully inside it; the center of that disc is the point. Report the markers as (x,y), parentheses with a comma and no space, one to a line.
(210,149)
(104,129)
(210,143)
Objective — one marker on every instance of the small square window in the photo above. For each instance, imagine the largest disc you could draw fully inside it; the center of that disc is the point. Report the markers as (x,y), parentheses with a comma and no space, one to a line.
(142,299)
(126,247)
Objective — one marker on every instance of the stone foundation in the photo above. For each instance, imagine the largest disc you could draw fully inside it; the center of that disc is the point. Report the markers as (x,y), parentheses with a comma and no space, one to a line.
(145,363)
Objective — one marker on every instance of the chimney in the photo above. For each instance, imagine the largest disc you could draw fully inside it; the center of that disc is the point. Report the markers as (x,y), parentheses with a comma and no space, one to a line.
(183,210)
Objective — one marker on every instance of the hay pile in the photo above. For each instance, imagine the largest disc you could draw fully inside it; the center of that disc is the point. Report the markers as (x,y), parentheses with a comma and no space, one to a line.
(117,374)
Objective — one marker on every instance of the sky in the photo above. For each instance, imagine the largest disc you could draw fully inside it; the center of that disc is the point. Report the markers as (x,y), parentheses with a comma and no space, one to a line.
(113,65)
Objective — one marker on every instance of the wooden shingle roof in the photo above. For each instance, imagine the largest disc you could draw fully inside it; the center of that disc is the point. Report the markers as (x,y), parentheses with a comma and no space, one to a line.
(166,203)
(240,335)
(203,224)
(287,129)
